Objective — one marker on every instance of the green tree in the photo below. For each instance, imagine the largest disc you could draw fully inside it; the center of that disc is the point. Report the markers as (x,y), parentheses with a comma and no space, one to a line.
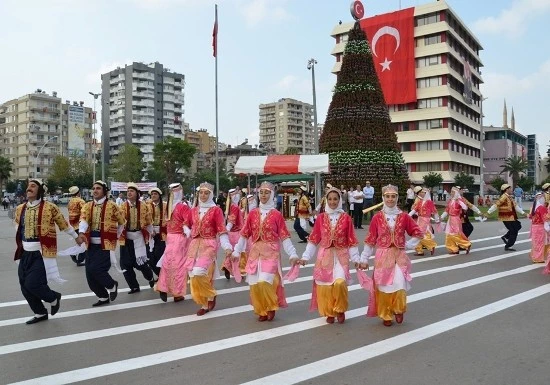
(11,186)
(128,166)
(358,135)
(432,179)
(292,151)
(171,157)
(6,169)
(497,182)
(59,175)
(464,180)
(514,166)
(81,172)
(526,183)
(547,165)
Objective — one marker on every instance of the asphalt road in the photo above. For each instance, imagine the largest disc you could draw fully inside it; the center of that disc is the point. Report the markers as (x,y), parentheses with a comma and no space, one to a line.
(480,318)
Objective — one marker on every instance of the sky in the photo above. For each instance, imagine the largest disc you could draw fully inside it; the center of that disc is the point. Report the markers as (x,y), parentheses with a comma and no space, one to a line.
(263,50)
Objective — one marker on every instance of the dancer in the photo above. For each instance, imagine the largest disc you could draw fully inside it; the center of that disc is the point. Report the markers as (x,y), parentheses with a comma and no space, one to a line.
(74,208)
(392,266)
(455,240)
(266,229)
(36,239)
(424,208)
(508,213)
(334,234)
(303,211)
(157,244)
(234,223)
(539,236)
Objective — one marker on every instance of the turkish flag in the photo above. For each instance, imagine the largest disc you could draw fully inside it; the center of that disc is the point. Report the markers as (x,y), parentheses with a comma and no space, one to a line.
(391,37)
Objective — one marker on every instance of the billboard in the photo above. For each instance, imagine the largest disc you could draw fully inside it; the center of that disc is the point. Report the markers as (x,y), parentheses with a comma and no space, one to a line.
(143,186)
(76,130)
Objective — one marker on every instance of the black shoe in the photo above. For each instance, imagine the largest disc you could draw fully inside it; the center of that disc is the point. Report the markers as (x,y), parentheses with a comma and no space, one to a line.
(360,227)
(81,263)
(101,303)
(163,296)
(37,319)
(509,249)
(504,239)
(55,308)
(227,273)
(113,294)
(73,257)
(134,290)
(152,283)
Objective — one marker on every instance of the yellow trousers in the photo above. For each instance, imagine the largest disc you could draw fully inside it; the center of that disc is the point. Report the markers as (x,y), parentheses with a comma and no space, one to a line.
(388,304)
(454,242)
(332,299)
(263,296)
(242,263)
(427,242)
(202,289)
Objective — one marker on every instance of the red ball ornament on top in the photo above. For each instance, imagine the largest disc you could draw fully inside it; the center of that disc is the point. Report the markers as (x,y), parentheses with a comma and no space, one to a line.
(357,10)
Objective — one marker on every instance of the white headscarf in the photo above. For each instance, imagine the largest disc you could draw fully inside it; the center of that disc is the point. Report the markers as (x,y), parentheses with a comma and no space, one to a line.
(338,209)
(456,193)
(270,202)
(427,196)
(209,203)
(539,200)
(390,210)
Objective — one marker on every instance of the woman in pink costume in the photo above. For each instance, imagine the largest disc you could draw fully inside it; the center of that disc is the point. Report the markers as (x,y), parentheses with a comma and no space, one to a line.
(539,236)
(454,236)
(392,267)
(173,277)
(234,224)
(424,208)
(206,224)
(266,228)
(334,234)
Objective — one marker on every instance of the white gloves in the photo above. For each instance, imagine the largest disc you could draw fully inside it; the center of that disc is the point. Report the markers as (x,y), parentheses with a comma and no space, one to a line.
(141,260)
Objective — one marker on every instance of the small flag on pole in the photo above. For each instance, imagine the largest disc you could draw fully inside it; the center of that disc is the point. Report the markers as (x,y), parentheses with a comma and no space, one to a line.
(215,35)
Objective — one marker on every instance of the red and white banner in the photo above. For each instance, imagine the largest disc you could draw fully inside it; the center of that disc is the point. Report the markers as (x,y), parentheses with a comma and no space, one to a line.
(391,37)
(143,186)
(282,164)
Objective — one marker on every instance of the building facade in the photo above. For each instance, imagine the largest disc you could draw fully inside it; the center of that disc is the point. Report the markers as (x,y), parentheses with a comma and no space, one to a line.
(228,157)
(36,127)
(203,143)
(142,104)
(534,159)
(287,124)
(441,131)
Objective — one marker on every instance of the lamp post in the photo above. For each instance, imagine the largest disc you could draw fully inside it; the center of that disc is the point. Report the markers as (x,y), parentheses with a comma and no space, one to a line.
(481,142)
(311,66)
(39,152)
(93,143)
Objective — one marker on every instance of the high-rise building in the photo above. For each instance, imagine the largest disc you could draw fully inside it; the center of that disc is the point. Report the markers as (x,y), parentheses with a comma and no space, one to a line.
(534,159)
(440,132)
(36,127)
(142,104)
(287,124)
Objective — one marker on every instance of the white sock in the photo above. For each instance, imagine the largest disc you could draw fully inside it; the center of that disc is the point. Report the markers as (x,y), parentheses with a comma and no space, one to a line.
(39,315)
(54,303)
(104,299)
(112,290)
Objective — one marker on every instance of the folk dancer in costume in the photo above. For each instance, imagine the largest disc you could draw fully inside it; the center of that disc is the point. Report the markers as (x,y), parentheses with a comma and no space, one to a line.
(75,207)
(303,211)
(392,266)
(158,237)
(101,222)
(266,229)
(36,239)
(334,233)
(455,240)
(206,223)
(424,208)
(173,276)
(250,205)
(467,227)
(134,239)
(508,213)
(546,191)
(539,235)
(234,223)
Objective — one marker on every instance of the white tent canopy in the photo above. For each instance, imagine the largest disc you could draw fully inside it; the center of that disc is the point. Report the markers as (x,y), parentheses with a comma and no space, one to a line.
(282,164)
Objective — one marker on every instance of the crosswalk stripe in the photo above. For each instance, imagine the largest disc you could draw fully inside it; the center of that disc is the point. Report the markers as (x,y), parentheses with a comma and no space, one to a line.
(381,347)
(71,338)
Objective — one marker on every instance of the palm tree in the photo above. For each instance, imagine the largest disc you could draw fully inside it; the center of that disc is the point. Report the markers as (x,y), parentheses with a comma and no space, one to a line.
(514,166)
(6,168)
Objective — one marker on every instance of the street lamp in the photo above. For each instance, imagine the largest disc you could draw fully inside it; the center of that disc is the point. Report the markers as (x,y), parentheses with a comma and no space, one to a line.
(481,141)
(311,66)
(93,143)
(39,152)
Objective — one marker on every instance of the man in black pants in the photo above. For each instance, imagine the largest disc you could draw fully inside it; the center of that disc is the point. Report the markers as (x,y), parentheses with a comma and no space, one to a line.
(508,213)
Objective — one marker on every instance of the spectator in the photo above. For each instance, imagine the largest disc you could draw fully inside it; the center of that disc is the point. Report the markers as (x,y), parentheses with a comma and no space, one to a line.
(410,198)
(488,201)
(356,198)
(440,194)
(5,202)
(480,200)
(344,195)
(368,195)
(445,193)
(518,195)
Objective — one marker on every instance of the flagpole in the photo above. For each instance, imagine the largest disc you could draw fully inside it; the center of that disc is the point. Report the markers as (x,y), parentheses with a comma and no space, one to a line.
(216,87)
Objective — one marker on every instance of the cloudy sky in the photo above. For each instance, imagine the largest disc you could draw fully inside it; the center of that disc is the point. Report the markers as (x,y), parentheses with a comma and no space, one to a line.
(263,48)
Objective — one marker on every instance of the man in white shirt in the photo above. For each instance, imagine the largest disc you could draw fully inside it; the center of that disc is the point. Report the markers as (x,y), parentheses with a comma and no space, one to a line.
(368,195)
(356,206)
(410,198)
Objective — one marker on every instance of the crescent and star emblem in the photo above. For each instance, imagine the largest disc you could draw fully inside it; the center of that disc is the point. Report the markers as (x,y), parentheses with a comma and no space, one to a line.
(357,10)
(386,30)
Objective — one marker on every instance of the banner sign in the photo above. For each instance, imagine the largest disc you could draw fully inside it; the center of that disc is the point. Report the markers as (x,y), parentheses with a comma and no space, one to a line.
(143,186)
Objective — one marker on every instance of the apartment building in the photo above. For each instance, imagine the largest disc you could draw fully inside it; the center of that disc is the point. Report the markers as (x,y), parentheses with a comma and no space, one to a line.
(440,132)
(36,127)
(534,159)
(287,124)
(142,104)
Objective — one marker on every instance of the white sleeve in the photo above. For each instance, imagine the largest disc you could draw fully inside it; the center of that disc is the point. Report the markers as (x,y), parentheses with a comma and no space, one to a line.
(303,224)
(411,243)
(476,210)
(367,252)
(119,230)
(240,246)
(443,216)
(519,210)
(83,226)
(492,209)
(436,217)
(412,213)
(463,205)
(547,226)
(186,231)
(354,254)
(150,229)
(310,251)
(229,226)
(69,230)
(290,250)
(224,241)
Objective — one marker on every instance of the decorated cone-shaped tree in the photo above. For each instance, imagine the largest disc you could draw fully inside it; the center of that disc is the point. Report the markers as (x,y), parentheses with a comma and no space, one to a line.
(357,136)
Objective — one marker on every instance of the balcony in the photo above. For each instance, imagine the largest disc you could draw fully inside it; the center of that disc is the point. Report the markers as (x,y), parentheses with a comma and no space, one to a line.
(117,79)
(136,85)
(143,75)
(144,94)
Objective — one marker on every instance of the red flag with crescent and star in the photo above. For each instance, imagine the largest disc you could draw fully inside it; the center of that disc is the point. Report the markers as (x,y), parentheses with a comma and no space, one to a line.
(391,37)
